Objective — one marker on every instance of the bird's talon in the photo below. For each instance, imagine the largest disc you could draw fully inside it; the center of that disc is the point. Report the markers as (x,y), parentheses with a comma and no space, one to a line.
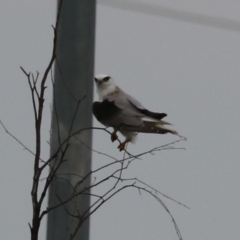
(121,146)
(114,137)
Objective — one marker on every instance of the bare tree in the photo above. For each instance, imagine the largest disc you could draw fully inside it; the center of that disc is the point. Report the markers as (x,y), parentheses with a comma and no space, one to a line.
(45,170)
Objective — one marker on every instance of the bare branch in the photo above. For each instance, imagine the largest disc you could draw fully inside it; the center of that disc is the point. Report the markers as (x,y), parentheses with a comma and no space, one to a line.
(17,140)
(27,74)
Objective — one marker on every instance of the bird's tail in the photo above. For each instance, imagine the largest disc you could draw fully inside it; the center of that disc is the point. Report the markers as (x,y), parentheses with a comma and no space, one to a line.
(150,127)
(157,127)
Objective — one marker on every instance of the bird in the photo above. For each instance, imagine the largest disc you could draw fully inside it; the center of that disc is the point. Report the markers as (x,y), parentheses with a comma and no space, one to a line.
(125,114)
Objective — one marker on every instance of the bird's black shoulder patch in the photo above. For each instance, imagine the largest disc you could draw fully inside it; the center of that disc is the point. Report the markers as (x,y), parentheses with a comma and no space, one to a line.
(105,110)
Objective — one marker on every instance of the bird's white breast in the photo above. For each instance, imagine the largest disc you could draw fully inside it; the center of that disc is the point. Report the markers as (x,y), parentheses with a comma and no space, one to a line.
(103,91)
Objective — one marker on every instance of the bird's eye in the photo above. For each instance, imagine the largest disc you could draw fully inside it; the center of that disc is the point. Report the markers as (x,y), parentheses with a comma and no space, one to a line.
(106,79)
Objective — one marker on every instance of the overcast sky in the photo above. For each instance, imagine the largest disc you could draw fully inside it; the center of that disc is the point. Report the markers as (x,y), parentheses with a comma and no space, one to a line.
(187,70)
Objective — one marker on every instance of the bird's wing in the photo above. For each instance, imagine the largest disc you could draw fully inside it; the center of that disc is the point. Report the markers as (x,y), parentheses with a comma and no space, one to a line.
(109,114)
(126,101)
(121,98)
(148,114)
(105,111)
(126,118)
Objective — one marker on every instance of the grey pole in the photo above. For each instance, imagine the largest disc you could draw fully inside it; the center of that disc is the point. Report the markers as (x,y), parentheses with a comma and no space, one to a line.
(73,80)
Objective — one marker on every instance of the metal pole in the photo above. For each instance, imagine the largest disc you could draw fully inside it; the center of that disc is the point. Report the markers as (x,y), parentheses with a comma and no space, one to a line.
(73,79)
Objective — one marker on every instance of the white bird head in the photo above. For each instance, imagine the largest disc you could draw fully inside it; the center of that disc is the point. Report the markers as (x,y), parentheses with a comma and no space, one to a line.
(105,85)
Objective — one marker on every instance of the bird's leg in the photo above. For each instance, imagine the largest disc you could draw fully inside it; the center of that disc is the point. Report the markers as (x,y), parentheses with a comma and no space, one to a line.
(123,144)
(114,135)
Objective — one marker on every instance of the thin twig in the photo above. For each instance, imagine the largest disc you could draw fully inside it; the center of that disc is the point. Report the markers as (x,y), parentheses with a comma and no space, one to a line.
(17,140)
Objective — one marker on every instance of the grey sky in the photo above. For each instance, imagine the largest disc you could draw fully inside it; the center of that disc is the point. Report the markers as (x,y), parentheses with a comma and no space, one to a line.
(189,71)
